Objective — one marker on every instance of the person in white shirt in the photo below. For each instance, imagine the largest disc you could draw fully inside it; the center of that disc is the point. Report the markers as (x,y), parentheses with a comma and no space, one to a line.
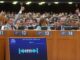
(10,23)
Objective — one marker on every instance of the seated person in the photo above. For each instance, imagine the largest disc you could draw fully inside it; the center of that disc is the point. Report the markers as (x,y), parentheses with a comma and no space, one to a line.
(43,25)
(19,25)
(9,25)
(52,26)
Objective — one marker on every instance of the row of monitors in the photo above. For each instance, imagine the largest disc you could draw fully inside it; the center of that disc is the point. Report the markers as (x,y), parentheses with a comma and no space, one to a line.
(51,28)
(59,28)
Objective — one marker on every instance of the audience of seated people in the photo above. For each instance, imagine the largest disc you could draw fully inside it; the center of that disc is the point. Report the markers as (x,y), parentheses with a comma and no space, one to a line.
(38,21)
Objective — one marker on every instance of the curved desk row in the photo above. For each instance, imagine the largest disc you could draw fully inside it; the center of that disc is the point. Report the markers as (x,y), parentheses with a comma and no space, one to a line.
(61,45)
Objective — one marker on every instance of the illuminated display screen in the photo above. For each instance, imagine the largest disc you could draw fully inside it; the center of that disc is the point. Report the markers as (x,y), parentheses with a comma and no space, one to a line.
(28,48)
(45,33)
(67,33)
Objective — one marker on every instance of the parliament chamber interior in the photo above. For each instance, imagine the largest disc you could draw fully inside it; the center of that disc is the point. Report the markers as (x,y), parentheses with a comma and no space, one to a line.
(40,30)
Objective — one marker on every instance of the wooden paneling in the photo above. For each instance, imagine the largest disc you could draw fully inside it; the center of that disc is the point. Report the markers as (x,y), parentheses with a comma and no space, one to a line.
(59,47)
(2,47)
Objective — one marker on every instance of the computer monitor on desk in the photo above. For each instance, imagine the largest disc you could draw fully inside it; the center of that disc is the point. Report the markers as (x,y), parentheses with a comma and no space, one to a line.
(44,28)
(31,28)
(52,27)
(75,28)
(21,28)
(67,27)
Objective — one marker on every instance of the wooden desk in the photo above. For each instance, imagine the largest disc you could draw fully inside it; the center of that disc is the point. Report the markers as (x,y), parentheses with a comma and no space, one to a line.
(59,47)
